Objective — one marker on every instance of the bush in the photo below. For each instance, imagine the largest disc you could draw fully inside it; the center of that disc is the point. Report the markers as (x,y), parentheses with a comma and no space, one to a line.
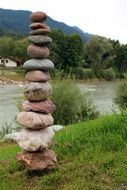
(72,105)
(121,95)
(109,74)
(81,73)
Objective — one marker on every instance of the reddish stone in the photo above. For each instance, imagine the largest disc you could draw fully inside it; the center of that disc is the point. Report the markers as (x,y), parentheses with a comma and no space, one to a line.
(40,32)
(45,106)
(32,120)
(38,25)
(38,16)
(35,51)
(38,76)
(38,160)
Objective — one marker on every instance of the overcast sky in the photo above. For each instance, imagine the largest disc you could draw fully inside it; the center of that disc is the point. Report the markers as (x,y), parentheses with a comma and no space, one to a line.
(102,17)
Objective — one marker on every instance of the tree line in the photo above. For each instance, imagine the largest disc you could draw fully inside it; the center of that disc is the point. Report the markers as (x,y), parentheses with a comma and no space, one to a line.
(98,56)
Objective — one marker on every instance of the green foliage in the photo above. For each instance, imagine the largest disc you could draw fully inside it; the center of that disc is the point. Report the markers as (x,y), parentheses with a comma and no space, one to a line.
(99,53)
(121,95)
(109,74)
(121,58)
(81,73)
(6,46)
(20,50)
(66,51)
(72,105)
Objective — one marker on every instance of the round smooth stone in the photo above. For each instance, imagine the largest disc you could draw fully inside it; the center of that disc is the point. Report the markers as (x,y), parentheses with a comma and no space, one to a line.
(39,52)
(40,32)
(38,16)
(38,25)
(40,39)
(45,106)
(38,76)
(35,91)
(39,64)
(32,120)
(35,140)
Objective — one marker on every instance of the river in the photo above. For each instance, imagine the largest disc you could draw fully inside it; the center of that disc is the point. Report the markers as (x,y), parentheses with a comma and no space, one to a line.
(101,92)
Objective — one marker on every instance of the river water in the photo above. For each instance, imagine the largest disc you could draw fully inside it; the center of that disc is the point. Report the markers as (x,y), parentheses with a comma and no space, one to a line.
(102,94)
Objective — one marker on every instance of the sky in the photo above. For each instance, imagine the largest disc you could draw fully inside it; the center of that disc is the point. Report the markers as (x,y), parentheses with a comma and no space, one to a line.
(106,18)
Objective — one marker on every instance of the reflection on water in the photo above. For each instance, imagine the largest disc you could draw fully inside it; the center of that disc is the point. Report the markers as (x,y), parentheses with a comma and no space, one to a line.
(102,94)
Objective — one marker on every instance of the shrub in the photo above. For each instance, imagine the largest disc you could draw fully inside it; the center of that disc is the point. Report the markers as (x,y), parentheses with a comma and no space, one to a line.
(121,95)
(72,105)
(81,73)
(109,74)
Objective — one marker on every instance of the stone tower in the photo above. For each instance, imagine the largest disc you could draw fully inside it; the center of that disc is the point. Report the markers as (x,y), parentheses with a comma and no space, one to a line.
(36,120)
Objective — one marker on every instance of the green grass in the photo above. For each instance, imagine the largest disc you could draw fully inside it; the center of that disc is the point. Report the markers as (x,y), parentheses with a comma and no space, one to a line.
(92,155)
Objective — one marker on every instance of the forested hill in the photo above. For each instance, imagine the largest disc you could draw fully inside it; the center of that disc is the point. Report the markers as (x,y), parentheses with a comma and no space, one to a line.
(17,21)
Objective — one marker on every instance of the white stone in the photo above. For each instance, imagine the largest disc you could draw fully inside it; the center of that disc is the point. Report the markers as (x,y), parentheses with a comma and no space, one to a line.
(12,136)
(56,127)
(33,140)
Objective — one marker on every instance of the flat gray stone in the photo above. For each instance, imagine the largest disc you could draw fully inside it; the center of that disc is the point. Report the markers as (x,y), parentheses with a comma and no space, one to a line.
(40,39)
(39,64)
(36,91)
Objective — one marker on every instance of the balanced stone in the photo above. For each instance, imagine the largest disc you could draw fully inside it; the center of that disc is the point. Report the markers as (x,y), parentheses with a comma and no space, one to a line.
(34,120)
(36,91)
(35,140)
(38,160)
(38,76)
(38,25)
(39,64)
(35,51)
(40,39)
(38,16)
(40,32)
(45,106)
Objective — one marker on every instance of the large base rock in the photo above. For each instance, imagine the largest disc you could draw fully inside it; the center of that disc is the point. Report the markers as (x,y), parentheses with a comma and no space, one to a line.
(38,160)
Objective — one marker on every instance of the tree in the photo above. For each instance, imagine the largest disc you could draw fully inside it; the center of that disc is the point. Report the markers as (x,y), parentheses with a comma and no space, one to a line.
(66,50)
(99,53)
(6,46)
(72,55)
(20,50)
(121,59)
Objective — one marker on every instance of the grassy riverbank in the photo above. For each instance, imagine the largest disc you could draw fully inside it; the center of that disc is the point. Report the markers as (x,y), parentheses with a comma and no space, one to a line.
(91,156)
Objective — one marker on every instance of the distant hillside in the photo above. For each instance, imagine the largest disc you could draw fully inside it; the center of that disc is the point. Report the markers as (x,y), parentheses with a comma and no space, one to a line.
(17,21)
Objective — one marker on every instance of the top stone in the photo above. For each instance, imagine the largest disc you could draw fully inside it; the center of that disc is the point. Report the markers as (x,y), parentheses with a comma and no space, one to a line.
(38,16)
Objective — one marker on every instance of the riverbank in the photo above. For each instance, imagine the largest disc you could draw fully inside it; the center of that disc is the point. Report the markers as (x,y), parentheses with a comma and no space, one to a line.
(91,155)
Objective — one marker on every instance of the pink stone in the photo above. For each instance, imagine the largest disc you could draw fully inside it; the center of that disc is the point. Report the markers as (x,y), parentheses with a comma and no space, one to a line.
(32,120)
(40,32)
(45,106)
(38,16)
(38,160)
(38,76)
(38,25)
(35,51)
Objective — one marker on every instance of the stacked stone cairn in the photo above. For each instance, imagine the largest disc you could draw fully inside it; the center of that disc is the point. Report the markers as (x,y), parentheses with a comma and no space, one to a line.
(36,119)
